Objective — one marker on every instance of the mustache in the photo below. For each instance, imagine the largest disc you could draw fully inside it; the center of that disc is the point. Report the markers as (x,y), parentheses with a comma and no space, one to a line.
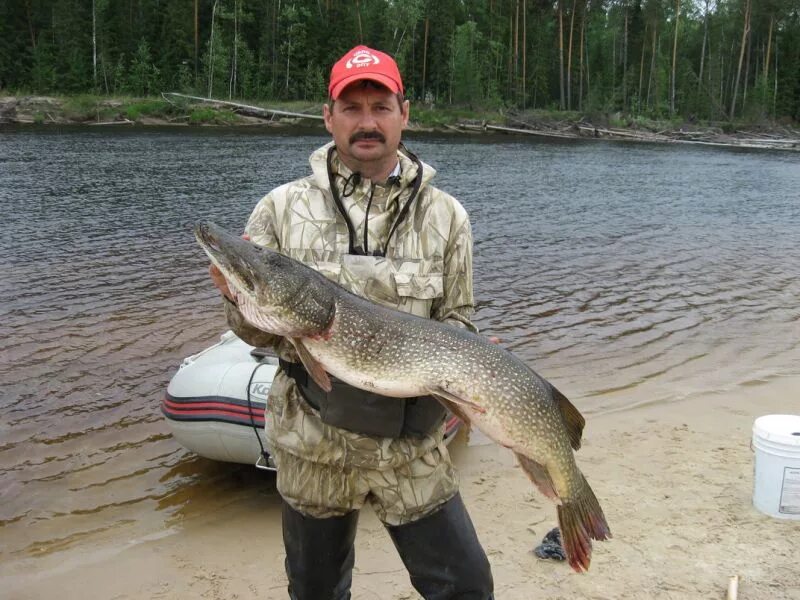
(367,135)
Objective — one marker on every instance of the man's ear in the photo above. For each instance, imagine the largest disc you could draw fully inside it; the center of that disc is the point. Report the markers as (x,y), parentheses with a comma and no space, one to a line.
(405,108)
(326,114)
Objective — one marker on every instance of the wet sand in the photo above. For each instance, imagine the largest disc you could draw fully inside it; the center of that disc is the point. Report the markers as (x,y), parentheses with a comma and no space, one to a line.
(675,481)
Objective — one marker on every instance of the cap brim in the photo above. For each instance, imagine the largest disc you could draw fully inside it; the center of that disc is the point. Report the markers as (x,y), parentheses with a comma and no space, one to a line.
(377,77)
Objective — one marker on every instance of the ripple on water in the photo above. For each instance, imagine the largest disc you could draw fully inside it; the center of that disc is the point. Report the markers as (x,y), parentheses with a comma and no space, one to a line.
(625,274)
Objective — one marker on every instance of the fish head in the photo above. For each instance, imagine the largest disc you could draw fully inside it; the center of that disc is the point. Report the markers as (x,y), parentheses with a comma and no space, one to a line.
(273,292)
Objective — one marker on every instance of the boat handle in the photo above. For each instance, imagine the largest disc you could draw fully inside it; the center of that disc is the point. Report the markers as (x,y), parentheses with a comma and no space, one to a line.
(265,464)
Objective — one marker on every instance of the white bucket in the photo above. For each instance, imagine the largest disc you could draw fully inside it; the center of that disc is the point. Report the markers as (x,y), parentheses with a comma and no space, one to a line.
(776,481)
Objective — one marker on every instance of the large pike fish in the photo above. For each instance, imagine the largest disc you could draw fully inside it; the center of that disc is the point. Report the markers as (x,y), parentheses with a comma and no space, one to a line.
(400,355)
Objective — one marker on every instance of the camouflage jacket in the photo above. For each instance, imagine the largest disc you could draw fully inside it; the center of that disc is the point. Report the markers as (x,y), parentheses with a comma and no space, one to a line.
(426,271)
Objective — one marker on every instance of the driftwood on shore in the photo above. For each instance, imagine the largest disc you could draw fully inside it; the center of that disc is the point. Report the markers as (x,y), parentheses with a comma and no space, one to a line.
(245,109)
(120,122)
(537,132)
(740,139)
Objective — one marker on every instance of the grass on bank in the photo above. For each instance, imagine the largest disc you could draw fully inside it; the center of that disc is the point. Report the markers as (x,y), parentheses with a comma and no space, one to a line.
(102,109)
(87,108)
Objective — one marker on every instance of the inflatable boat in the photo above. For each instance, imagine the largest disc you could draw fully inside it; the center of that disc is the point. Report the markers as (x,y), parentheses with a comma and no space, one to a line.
(215,402)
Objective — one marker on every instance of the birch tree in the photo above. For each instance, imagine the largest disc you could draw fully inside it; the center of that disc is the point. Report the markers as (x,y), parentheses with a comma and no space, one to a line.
(674,58)
(743,45)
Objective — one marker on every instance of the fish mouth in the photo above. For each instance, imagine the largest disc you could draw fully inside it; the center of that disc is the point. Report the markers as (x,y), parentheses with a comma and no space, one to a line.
(229,254)
(245,267)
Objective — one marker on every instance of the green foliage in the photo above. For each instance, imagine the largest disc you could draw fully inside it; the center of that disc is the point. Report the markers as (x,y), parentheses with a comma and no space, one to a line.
(315,86)
(294,49)
(142,74)
(80,108)
(488,55)
(118,76)
(468,53)
(43,70)
(148,108)
(200,116)
(442,117)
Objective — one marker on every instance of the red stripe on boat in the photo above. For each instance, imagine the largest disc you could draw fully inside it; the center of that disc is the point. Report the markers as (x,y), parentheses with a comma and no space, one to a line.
(190,406)
(218,413)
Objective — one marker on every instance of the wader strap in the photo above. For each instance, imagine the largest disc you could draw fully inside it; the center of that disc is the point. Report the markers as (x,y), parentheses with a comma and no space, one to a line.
(365,412)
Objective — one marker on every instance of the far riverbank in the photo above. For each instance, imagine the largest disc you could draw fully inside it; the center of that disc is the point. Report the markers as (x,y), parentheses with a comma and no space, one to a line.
(169,110)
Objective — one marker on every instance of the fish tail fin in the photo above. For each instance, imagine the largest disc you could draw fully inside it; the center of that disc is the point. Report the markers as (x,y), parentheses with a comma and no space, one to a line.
(538,474)
(571,416)
(582,520)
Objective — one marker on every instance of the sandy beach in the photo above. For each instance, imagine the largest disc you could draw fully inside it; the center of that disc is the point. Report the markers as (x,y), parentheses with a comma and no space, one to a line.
(675,481)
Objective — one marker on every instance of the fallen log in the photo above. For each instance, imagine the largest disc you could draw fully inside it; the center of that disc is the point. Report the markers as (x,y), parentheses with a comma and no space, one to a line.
(121,122)
(516,130)
(256,111)
(529,132)
(698,138)
(737,144)
(770,141)
(647,137)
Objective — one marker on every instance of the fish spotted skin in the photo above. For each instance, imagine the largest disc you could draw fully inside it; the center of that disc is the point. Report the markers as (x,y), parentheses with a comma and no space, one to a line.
(401,355)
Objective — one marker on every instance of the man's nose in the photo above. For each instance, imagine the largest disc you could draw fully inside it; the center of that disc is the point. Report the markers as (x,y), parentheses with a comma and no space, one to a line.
(367,121)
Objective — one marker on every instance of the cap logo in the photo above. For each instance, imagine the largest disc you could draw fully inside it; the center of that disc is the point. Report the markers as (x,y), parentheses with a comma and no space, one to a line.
(362,58)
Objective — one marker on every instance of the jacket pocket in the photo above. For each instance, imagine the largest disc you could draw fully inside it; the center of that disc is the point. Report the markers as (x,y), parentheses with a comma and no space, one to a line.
(421,287)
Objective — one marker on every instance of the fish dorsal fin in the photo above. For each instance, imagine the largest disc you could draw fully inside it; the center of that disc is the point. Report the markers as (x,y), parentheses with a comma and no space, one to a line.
(573,419)
(314,369)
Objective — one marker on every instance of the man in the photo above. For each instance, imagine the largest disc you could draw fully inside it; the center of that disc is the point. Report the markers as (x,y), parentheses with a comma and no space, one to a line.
(368,218)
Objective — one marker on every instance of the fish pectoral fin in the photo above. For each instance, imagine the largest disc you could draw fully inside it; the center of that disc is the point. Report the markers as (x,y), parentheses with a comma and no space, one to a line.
(314,369)
(454,409)
(538,474)
(571,416)
(443,394)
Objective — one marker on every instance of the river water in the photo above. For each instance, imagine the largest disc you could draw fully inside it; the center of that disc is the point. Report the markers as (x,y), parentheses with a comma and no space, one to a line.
(627,274)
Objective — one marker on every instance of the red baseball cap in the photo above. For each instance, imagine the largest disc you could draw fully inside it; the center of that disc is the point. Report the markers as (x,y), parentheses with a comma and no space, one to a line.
(364,63)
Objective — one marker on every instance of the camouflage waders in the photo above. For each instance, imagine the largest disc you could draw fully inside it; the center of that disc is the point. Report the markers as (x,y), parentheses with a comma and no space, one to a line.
(419,260)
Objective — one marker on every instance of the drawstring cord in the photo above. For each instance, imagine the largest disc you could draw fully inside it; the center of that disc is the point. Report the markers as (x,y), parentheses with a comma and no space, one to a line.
(411,197)
(366,219)
(349,188)
(354,179)
(338,200)
(264,453)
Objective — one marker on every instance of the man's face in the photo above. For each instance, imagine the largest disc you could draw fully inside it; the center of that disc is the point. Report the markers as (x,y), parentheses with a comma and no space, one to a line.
(366,122)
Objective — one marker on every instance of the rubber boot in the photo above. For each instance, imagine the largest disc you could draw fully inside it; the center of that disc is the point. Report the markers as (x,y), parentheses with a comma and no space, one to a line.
(319,555)
(443,555)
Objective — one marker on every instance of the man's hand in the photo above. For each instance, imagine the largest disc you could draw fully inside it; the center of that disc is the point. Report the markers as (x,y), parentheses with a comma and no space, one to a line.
(219,279)
(494,339)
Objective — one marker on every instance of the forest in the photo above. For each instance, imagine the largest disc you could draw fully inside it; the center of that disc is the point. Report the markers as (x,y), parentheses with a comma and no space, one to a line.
(688,59)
